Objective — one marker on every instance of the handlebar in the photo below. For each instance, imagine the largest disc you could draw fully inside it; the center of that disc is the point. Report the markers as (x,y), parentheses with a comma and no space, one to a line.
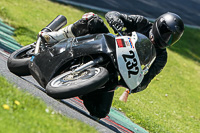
(116,30)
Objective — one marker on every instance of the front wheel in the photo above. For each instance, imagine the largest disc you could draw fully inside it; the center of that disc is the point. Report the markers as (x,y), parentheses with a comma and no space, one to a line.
(18,61)
(69,85)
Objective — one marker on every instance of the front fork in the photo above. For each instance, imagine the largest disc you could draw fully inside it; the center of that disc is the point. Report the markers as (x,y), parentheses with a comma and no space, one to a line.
(37,46)
(88,65)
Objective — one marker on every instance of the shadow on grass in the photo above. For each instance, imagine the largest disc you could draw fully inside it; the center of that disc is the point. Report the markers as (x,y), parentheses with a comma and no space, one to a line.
(23,31)
(189,45)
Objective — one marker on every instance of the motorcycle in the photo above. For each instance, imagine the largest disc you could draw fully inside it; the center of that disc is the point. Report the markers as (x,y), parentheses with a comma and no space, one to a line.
(80,65)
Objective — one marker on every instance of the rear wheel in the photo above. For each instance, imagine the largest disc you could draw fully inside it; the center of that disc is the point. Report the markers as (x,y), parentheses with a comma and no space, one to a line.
(69,85)
(18,61)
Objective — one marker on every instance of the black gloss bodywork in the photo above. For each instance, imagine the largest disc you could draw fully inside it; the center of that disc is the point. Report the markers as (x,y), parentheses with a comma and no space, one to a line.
(48,62)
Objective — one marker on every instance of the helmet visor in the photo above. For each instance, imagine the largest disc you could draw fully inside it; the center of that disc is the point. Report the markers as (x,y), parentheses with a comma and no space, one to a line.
(165,33)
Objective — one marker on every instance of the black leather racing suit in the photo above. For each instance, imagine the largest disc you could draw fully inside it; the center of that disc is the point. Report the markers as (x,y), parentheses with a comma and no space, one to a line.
(99,102)
(142,25)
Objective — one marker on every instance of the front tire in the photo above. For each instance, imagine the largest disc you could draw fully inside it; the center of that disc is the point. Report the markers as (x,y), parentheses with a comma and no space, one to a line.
(67,85)
(18,61)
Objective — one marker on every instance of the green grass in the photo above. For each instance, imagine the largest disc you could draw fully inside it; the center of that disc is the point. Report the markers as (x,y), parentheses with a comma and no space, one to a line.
(23,113)
(171,102)
(188,46)
(28,17)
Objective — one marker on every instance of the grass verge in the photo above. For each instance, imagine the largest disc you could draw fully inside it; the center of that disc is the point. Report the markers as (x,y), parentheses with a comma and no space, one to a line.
(171,102)
(21,112)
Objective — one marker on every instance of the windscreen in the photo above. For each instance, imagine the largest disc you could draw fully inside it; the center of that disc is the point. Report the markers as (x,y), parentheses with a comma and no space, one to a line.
(145,50)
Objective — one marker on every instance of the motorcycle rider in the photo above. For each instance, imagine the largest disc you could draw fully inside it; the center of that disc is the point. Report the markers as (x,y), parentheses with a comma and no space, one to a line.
(165,31)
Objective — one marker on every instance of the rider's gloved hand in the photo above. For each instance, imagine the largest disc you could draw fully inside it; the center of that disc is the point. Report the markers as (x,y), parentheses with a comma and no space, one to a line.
(117,22)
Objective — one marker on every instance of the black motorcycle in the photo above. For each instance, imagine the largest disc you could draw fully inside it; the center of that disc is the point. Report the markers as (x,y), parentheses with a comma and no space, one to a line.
(77,66)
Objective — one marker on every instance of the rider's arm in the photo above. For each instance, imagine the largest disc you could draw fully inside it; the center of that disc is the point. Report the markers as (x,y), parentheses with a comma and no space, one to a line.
(155,69)
(131,22)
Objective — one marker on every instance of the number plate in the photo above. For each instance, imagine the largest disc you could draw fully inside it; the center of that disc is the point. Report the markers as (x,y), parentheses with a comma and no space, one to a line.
(128,60)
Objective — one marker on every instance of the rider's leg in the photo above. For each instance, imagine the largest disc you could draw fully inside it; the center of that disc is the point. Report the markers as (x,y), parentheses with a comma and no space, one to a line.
(98,103)
(90,23)
(56,36)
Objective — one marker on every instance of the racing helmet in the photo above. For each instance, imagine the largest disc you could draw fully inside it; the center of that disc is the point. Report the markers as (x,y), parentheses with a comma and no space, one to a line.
(167,30)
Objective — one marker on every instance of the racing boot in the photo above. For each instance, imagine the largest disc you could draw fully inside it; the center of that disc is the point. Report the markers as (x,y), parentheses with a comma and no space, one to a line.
(90,23)
(56,36)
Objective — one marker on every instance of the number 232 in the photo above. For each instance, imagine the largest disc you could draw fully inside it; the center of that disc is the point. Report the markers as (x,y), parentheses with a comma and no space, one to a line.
(131,63)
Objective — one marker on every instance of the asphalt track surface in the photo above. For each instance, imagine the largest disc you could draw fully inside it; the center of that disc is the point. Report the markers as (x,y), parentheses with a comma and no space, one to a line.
(115,122)
(73,107)
(67,107)
(189,10)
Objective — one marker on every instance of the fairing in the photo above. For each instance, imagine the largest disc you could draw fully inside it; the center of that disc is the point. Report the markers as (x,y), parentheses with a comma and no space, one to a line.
(44,65)
(135,55)
(145,49)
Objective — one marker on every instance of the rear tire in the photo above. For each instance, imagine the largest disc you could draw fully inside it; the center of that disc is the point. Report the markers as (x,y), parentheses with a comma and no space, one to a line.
(18,61)
(67,85)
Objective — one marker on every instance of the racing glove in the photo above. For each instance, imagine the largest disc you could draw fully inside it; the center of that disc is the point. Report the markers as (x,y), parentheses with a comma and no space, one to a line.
(115,21)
